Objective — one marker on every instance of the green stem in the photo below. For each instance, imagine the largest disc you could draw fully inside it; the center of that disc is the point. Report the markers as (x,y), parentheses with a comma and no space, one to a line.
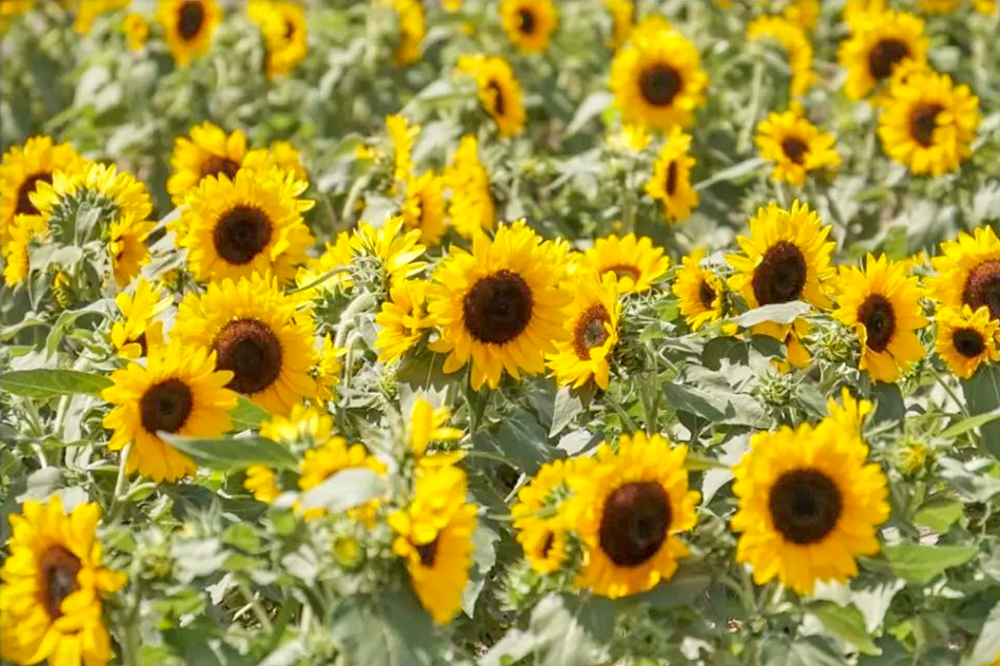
(258,610)
(117,499)
(626,419)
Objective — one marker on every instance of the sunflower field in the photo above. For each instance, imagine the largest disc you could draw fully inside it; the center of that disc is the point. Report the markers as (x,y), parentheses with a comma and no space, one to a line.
(513,333)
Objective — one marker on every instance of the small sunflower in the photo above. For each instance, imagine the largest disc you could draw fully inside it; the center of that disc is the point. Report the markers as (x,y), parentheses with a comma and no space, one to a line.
(136,29)
(529,23)
(402,134)
(178,391)
(796,43)
(430,424)
(283,26)
(328,272)
(701,292)
(471,204)
(188,26)
(657,78)
(634,261)
(968,272)
(424,207)
(209,152)
(928,123)
(255,332)
(53,582)
(262,483)
(327,370)
(803,13)
(138,330)
(966,339)
(402,320)
(593,331)
(808,505)
(397,252)
(622,19)
(795,146)
(499,91)
(628,510)
(331,455)
(882,304)
(671,182)
(412,29)
(127,247)
(500,306)
(852,412)
(879,43)
(250,224)
(435,539)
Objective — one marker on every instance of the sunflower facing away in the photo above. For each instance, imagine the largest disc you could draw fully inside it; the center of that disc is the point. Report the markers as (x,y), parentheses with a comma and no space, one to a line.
(283,26)
(424,207)
(402,320)
(178,391)
(808,504)
(701,292)
(434,536)
(396,251)
(879,43)
(634,261)
(628,510)
(500,306)
(499,91)
(188,26)
(795,146)
(966,339)
(968,272)
(928,123)
(529,23)
(412,28)
(796,43)
(137,331)
(671,182)
(471,204)
(593,333)
(53,581)
(209,152)
(255,332)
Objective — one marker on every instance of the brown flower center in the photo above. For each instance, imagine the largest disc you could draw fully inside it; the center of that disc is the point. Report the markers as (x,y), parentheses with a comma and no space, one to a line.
(885,55)
(635,522)
(794,149)
(498,103)
(24,205)
(982,287)
(166,406)
(190,19)
(781,274)
(624,270)
(671,184)
(660,84)
(879,320)
(550,539)
(805,505)
(141,341)
(498,307)
(706,294)
(968,342)
(428,553)
(923,122)
(590,331)
(214,165)
(241,234)
(527,18)
(59,568)
(252,351)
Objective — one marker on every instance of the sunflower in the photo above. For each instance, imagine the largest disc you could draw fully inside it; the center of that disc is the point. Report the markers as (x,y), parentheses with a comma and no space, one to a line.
(529,23)
(657,78)
(20,172)
(24,230)
(397,252)
(795,146)
(939,6)
(127,247)
(283,26)
(634,261)
(701,292)
(424,207)
(252,223)
(852,412)
(593,331)
(435,539)
(499,91)
(966,339)
(984,6)
(880,42)
(628,510)
(808,504)
(209,152)
(136,29)
(327,370)
(928,123)
(412,29)
(138,331)
(53,581)
(803,13)
(261,482)
(538,520)
(88,10)
(328,272)
(254,331)
(857,13)
(501,305)
(796,43)
(281,154)
(402,134)
(10,10)
(178,391)
(968,272)
(188,26)
(671,182)
(471,204)
(622,19)
(429,424)
(331,455)
(402,320)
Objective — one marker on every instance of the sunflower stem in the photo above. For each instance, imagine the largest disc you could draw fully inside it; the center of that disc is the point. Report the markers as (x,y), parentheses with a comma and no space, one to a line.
(116,498)
(254,603)
(951,394)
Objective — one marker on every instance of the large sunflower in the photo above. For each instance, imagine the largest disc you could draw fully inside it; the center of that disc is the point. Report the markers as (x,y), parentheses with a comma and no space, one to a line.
(968,272)
(53,581)
(657,78)
(796,43)
(250,224)
(808,504)
(701,292)
(795,146)
(882,304)
(499,91)
(529,23)
(633,261)
(424,207)
(593,331)
(499,306)
(188,26)
(879,43)
(628,509)
(471,204)
(671,182)
(435,539)
(178,391)
(402,320)
(283,26)
(928,123)
(255,332)
(209,152)
(966,339)
(138,331)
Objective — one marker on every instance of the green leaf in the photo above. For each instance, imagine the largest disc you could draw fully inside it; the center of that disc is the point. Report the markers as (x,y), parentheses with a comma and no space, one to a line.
(233,452)
(920,564)
(247,415)
(971,423)
(846,623)
(49,382)
(982,396)
(681,590)
(392,630)
(345,490)
(591,107)
(779,313)
(567,407)
(484,556)
(987,647)
(938,515)
(734,172)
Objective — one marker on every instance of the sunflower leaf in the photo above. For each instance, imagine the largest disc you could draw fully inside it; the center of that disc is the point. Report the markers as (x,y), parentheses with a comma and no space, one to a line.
(247,415)
(846,623)
(921,564)
(49,382)
(345,490)
(779,313)
(232,452)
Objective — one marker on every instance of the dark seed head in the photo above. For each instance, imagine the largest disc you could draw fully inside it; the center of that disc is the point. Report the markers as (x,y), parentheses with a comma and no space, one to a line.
(241,234)
(24,205)
(428,553)
(794,149)
(982,287)
(190,19)
(635,522)
(968,342)
(923,122)
(781,275)
(251,350)
(498,103)
(590,331)
(706,294)
(59,568)
(527,18)
(624,270)
(879,320)
(214,165)
(885,55)
(671,184)
(660,84)
(546,548)
(805,506)
(166,406)
(498,307)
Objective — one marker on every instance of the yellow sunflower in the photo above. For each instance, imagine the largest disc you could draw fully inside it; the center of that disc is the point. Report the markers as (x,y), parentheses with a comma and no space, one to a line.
(262,483)
(633,261)
(628,510)
(209,152)
(701,292)
(88,10)
(852,412)
(250,224)
(593,331)
(882,304)
(402,134)
(178,391)
(808,504)
(412,29)
(657,78)
(966,339)
(671,182)
(10,10)
(331,455)
(928,123)
(284,28)
(499,306)
(328,272)
(402,320)
(127,247)
(796,43)
(424,207)
(21,170)
(939,6)
(879,43)
(430,424)
(795,146)
(984,6)
(622,19)
(397,252)
(435,539)
(188,26)
(136,29)
(138,330)
(53,582)
(529,23)
(24,230)
(856,12)
(471,204)
(803,13)
(968,272)
(499,91)
(254,331)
